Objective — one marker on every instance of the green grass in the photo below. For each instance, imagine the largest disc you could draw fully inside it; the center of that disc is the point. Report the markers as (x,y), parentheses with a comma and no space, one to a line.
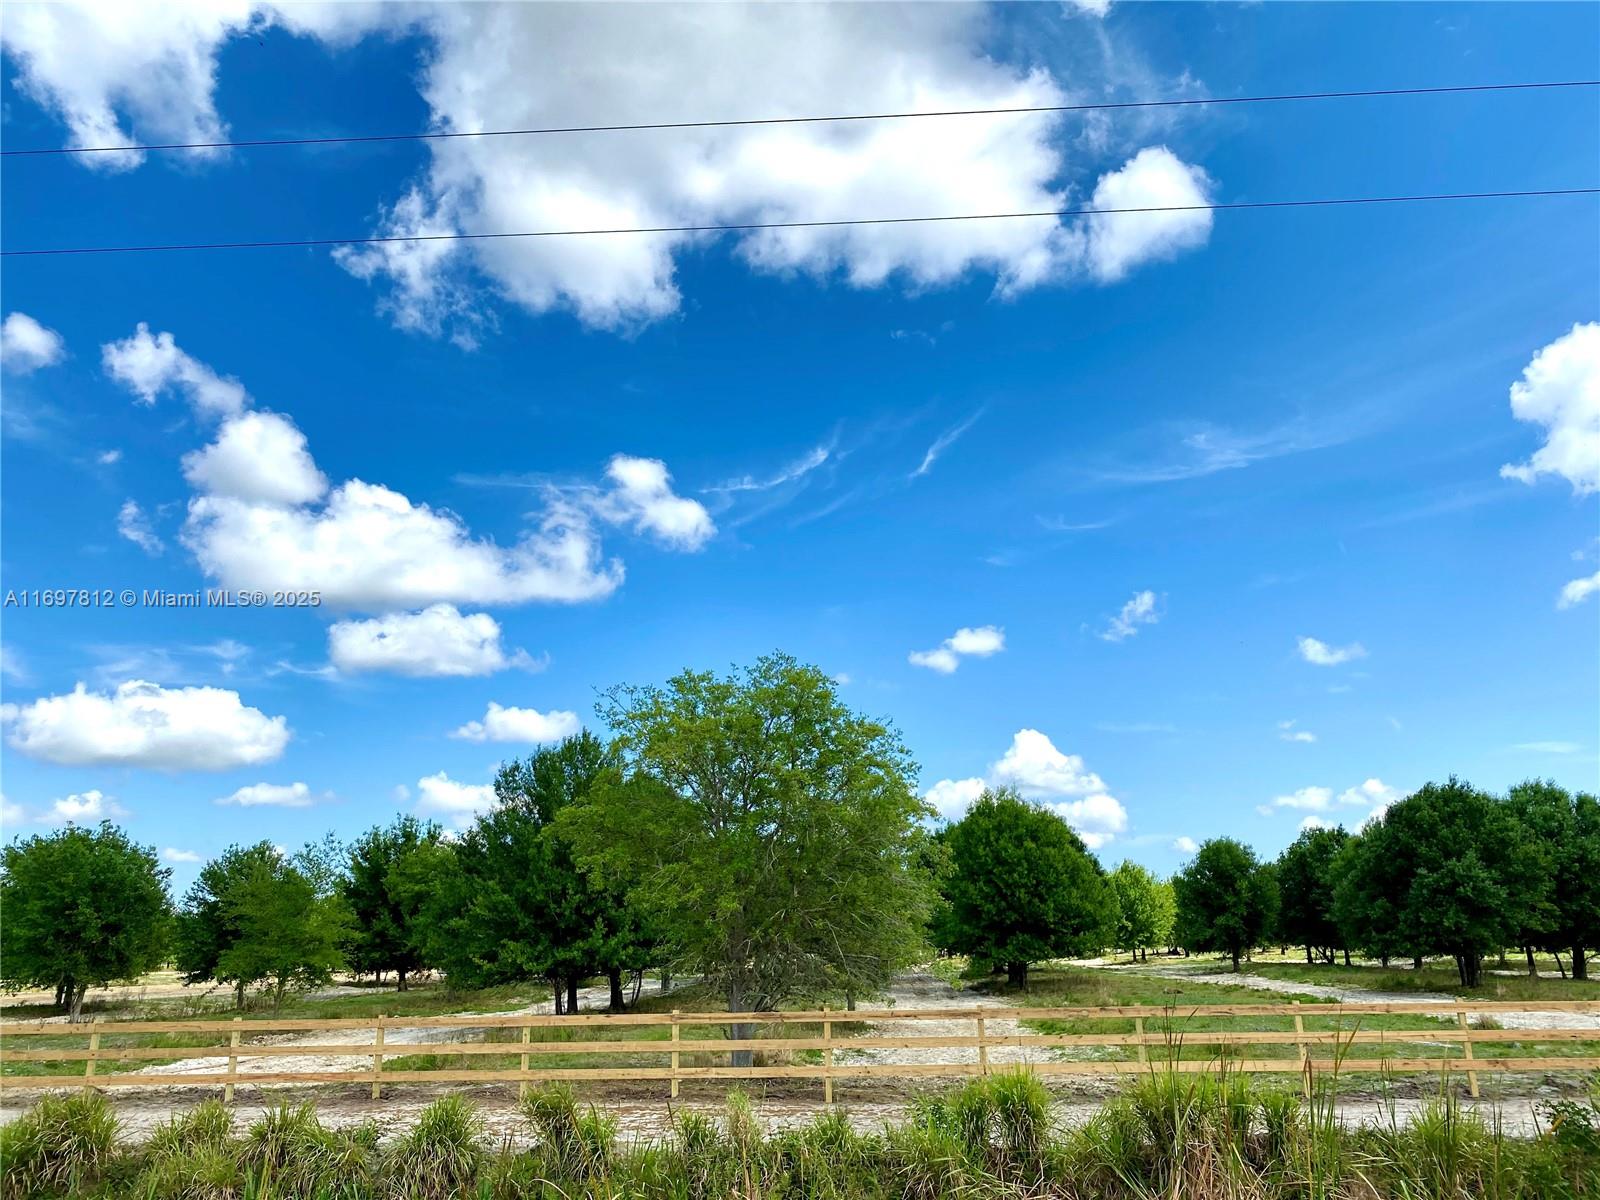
(1434,977)
(1200,1138)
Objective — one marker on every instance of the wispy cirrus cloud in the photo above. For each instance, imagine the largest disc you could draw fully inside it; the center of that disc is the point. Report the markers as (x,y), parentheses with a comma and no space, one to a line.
(942,443)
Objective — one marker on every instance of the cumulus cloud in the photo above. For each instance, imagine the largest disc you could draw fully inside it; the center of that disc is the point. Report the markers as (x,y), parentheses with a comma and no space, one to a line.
(1372,796)
(1035,767)
(979,642)
(1321,654)
(86,808)
(1578,590)
(26,345)
(439,640)
(501,724)
(133,525)
(1560,390)
(1185,845)
(457,802)
(150,364)
(1153,178)
(10,813)
(174,855)
(1141,610)
(1316,799)
(142,724)
(269,795)
(257,456)
(643,498)
(1316,822)
(1288,733)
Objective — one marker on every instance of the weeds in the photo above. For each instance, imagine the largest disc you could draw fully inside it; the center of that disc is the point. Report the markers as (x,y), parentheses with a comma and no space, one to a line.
(1171,1136)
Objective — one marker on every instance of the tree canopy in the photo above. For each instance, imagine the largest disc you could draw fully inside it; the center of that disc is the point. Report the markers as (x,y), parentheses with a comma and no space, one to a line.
(1023,887)
(1146,909)
(1227,900)
(385,910)
(82,907)
(1306,880)
(771,831)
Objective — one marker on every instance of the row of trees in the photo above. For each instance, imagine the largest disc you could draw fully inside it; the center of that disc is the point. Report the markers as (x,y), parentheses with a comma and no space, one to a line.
(751,829)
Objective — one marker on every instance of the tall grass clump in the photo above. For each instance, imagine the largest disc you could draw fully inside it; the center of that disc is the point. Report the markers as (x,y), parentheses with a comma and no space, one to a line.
(441,1157)
(192,1157)
(574,1142)
(62,1145)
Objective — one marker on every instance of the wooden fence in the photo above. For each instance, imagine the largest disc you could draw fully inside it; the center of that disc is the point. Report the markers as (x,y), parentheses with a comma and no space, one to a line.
(1158,1039)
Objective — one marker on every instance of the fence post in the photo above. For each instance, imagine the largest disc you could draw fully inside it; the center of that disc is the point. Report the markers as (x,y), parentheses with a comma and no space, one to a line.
(94,1049)
(983,1050)
(377,1058)
(1138,1028)
(677,1032)
(1304,1051)
(233,1061)
(527,1036)
(1466,1046)
(827,1057)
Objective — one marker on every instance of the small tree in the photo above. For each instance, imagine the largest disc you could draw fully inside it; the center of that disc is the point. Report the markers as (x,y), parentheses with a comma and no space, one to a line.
(1567,829)
(81,908)
(1146,908)
(1023,887)
(207,926)
(1306,879)
(285,933)
(1226,900)
(383,910)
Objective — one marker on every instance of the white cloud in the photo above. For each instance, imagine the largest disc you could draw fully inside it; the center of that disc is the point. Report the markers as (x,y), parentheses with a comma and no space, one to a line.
(1323,655)
(1141,610)
(1548,747)
(1185,845)
(1374,793)
(643,498)
(1316,822)
(150,365)
(1579,590)
(257,456)
(1153,178)
(1288,733)
(173,855)
(1560,389)
(87,808)
(108,458)
(1038,770)
(439,640)
(10,814)
(142,724)
(458,802)
(269,795)
(401,793)
(520,725)
(26,345)
(135,526)
(979,642)
(942,443)
(1316,799)
(952,797)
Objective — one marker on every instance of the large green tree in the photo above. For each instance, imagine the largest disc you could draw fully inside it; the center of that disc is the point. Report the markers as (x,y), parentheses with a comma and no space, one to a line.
(385,909)
(1306,879)
(1146,909)
(773,832)
(1023,887)
(81,908)
(1227,899)
(1567,829)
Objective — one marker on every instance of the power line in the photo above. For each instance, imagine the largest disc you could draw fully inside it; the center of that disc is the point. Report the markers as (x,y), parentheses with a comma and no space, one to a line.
(752,226)
(444,135)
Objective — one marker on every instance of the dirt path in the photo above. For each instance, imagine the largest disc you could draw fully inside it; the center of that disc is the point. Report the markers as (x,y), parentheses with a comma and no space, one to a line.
(1531,1019)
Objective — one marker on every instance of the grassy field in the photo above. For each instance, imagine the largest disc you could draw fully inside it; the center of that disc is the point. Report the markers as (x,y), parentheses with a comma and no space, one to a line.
(1434,977)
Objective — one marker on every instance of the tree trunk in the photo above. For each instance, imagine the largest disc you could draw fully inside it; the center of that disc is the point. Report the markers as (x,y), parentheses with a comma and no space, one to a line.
(277,993)
(666,979)
(1308,954)
(1533,971)
(555,989)
(402,975)
(1347,956)
(849,1002)
(572,992)
(618,1000)
(61,995)
(1017,975)
(1470,967)
(1416,962)
(1580,963)
(238,994)
(1235,954)
(739,1032)
(75,1013)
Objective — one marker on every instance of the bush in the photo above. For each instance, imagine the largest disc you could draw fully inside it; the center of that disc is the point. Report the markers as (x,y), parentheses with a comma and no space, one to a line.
(61,1145)
(441,1157)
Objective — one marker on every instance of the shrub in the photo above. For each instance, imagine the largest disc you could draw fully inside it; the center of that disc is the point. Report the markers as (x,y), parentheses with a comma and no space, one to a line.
(61,1144)
(441,1157)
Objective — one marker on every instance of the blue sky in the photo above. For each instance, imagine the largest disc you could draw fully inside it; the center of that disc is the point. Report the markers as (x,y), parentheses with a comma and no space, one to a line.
(1112,474)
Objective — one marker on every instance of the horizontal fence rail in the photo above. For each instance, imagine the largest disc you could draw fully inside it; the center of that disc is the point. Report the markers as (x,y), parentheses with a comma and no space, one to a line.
(1158,1038)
